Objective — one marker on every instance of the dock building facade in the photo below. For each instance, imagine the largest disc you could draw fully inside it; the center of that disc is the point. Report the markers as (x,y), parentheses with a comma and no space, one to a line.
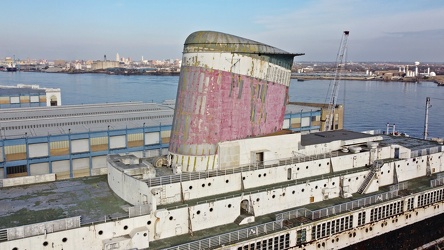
(24,95)
(73,141)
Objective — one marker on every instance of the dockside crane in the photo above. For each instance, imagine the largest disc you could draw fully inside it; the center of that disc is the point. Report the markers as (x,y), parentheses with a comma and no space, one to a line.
(334,86)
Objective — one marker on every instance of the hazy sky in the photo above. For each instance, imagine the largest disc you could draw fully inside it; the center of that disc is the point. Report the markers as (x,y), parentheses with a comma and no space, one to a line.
(380,30)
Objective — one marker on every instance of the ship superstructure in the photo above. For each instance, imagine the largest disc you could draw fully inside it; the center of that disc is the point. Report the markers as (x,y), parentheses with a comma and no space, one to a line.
(255,187)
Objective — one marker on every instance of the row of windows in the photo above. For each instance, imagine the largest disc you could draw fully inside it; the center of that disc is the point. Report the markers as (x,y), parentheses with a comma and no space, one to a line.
(83,122)
(332,227)
(385,211)
(77,114)
(275,243)
(431,197)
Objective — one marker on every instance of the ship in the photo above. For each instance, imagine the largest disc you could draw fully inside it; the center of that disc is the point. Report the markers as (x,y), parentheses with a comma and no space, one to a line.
(232,179)
(11,68)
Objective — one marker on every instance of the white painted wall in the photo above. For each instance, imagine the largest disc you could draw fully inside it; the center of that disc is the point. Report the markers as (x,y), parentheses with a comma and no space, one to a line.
(38,150)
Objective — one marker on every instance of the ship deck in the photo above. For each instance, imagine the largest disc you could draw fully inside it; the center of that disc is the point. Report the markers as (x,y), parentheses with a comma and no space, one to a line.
(88,197)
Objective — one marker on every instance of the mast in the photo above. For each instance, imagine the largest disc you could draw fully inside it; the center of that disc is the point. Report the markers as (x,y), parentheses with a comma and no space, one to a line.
(426,120)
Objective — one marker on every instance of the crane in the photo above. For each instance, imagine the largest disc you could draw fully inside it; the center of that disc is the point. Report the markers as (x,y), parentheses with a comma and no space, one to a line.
(329,121)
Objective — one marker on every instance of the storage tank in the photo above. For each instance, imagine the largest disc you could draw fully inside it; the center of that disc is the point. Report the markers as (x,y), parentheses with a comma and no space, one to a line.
(229,88)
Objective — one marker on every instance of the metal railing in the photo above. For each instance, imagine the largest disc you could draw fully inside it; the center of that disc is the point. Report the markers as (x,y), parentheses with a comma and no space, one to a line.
(437,182)
(231,237)
(138,210)
(293,214)
(165,180)
(399,186)
(425,151)
(40,228)
(352,205)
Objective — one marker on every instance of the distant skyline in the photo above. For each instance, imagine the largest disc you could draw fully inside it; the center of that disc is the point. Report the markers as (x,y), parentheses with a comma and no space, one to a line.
(380,30)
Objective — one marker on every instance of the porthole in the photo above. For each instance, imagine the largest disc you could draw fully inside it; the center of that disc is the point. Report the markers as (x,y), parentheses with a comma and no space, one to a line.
(349,180)
(258,199)
(328,163)
(190,187)
(149,222)
(15,248)
(306,167)
(203,185)
(325,185)
(125,227)
(145,234)
(302,190)
(65,239)
(265,175)
(283,194)
(293,192)
(259,175)
(243,178)
(357,178)
(371,228)
(171,217)
(382,173)
(316,187)
(45,243)
(209,184)
(198,212)
(100,232)
(273,196)
(226,181)
(323,244)
(211,209)
(319,164)
(333,183)
(297,169)
(229,205)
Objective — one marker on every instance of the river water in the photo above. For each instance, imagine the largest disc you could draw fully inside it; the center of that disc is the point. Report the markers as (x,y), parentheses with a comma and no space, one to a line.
(368,104)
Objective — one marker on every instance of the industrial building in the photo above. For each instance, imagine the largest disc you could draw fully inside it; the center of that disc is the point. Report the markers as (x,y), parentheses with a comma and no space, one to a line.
(73,141)
(24,95)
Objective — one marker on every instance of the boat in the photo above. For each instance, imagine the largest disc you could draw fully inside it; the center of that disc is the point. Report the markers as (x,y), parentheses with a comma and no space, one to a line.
(11,67)
(233,180)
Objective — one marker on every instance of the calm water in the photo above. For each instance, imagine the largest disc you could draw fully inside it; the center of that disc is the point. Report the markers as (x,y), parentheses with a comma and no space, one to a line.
(368,104)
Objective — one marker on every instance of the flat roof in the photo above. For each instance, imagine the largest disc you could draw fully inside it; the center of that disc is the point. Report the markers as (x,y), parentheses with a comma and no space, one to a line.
(43,121)
(60,120)
(329,136)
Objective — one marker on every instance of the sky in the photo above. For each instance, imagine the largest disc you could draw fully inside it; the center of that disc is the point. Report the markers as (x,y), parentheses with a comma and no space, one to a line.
(380,30)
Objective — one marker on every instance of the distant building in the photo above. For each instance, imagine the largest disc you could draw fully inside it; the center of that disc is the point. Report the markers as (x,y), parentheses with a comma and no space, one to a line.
(98,65)
(28,96)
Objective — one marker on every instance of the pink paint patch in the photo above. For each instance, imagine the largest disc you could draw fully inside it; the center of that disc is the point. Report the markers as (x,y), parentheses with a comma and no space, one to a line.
(228,107)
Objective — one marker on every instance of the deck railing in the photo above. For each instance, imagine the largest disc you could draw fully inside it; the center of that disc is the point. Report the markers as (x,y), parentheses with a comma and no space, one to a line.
(39,228)
(165,180)
(231,237)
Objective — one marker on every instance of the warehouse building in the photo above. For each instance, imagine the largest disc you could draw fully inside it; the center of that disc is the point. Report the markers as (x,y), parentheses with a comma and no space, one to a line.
(24,95)
(73,141)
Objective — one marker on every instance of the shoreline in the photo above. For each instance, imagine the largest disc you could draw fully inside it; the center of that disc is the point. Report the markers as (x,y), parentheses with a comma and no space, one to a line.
(439,80)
